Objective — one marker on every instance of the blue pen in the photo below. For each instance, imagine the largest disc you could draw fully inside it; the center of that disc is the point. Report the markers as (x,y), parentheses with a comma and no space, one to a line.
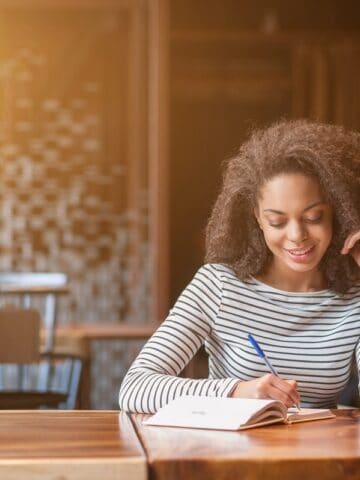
(261,354)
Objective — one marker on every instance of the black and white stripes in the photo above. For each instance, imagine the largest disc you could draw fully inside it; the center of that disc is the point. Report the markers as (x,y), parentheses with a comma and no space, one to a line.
(308,337)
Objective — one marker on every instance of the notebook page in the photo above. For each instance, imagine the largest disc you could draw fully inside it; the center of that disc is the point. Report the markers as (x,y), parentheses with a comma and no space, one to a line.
(307,414)
(212,412)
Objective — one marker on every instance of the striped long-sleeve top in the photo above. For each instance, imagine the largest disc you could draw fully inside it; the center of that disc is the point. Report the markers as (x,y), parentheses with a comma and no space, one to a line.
(308,337)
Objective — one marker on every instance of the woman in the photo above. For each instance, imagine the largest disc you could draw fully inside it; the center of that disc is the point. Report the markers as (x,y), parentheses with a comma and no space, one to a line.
(283,256)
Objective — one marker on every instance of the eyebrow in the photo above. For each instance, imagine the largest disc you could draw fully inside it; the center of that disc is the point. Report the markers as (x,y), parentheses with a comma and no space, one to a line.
(305,209)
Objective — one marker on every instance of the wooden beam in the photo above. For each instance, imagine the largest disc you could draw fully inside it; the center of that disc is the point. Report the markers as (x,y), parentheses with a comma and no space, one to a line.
(158,156)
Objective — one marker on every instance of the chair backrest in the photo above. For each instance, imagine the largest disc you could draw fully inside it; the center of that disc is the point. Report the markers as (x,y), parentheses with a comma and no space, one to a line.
(19,335)
(25,286)
(32,281)
(29,379)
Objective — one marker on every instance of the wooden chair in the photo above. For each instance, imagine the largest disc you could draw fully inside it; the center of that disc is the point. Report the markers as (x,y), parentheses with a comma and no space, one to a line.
(350,395)
(21,366)
(22,288)
(42,290)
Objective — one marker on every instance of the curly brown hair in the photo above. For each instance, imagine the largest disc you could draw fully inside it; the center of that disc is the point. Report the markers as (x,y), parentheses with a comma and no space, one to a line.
(329,153)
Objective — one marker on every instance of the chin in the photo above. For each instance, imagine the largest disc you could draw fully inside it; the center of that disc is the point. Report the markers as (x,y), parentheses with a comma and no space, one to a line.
(298,266)
(303,268)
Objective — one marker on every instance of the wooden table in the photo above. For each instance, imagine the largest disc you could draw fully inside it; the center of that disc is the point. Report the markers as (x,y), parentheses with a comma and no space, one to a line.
(69,445)
(86,445)
(320,450)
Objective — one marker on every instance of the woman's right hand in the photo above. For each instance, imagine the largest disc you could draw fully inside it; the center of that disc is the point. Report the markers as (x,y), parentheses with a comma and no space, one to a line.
(271,387)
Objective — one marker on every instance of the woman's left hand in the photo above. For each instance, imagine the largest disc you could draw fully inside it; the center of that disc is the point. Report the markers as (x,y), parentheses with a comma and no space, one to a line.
(352,246)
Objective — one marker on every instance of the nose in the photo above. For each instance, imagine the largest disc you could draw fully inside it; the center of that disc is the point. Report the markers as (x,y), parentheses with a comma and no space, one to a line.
(296,232)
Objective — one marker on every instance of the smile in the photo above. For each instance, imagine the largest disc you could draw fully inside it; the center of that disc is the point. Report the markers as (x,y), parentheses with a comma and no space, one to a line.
(302,252)
(304,255)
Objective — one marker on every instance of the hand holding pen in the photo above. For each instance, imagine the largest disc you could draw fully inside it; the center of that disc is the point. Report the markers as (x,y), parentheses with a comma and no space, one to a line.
(261,354)
(268,386)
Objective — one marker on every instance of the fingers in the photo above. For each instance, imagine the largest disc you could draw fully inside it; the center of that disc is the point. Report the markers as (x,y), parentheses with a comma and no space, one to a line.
(269,386)
(293,392)
(278,389)
(350,242)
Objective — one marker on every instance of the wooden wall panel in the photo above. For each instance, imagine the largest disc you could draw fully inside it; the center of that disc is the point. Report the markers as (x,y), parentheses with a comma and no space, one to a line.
(74,161)
(223,83)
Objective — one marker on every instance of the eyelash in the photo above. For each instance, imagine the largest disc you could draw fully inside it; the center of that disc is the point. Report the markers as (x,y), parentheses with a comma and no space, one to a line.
(277,225)
(313,221)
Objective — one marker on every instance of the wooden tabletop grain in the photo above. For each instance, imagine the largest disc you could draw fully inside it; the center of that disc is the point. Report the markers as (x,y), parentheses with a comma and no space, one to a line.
(79,445)
(69,445)
(319,450)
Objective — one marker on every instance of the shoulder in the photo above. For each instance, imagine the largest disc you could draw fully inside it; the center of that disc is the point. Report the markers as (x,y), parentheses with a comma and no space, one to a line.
(216,271)
(350,298)
(219,274)
(353,293)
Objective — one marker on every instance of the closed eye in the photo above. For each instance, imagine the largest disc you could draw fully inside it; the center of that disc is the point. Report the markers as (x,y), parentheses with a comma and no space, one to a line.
(314,220)
(277,225)
(311,221)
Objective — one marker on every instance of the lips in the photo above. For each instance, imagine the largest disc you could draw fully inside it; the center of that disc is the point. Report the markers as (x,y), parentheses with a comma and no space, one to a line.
(301,255)
(300,252)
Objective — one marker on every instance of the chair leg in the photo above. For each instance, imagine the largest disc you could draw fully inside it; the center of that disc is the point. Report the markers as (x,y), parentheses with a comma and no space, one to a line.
(44,375)
(74,384)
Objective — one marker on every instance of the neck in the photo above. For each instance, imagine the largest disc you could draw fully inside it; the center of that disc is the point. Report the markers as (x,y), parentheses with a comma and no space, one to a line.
(292,281)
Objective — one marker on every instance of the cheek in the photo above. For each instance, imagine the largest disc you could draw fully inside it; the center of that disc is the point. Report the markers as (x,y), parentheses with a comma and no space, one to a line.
(324,233)
(272,236)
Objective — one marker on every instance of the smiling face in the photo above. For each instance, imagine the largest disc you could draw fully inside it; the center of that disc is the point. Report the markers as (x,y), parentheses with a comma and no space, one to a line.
(296,222)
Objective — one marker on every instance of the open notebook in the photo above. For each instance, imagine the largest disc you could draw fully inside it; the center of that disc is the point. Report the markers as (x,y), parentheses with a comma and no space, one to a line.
(230,413)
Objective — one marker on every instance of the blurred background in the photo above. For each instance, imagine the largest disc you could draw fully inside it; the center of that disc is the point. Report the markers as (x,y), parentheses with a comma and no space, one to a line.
(116,117)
